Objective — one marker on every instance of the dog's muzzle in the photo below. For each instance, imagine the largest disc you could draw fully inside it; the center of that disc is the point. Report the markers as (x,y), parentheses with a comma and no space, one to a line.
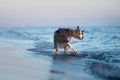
(80,38)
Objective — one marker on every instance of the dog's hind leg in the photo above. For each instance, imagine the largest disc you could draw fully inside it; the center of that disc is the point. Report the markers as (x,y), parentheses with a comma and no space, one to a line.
(56,50)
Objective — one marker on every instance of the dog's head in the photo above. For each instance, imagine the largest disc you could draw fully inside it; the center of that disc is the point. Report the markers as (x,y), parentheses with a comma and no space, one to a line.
(79,33)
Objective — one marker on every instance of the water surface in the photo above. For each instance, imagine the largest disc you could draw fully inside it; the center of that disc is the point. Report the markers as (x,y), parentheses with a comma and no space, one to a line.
(98,55)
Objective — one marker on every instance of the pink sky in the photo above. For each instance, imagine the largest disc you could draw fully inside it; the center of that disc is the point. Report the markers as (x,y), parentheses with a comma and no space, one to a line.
(59,12)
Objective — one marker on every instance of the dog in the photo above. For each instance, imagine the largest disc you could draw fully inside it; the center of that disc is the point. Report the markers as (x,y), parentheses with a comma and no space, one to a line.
(63,37)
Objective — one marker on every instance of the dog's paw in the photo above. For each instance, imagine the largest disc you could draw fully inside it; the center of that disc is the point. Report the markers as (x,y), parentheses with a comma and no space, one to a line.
(74,53)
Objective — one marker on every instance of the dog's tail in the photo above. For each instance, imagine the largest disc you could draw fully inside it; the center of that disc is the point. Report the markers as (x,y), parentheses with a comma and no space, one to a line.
(55,40)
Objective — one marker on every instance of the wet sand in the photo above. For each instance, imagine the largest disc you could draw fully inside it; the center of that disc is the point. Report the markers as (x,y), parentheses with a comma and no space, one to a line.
(16,65)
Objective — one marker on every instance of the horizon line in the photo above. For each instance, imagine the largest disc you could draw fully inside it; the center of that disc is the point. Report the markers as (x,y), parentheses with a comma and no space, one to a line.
(58,26)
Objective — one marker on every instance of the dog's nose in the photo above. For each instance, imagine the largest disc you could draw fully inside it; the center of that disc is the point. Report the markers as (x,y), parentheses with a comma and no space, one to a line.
(82,37)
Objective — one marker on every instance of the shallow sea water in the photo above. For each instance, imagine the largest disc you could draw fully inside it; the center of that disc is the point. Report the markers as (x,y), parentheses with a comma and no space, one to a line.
(98,55)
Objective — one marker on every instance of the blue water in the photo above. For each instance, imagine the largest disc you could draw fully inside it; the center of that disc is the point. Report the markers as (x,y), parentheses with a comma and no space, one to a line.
(98,55)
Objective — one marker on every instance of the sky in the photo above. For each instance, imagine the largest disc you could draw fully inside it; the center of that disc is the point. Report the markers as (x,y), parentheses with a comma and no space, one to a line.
(29,13)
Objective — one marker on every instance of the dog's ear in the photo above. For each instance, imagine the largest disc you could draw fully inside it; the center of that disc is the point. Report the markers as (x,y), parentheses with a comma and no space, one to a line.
(77,28)
(83,30)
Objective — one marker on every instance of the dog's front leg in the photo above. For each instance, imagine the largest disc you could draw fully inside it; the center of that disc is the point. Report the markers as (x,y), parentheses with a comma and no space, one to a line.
(71,47)
(65,49)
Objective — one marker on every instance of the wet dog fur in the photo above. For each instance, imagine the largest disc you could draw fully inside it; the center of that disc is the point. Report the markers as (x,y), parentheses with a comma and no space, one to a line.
(63,37)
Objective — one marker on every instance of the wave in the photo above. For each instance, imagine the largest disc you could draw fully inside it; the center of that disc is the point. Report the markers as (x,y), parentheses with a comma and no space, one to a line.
(105,70)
